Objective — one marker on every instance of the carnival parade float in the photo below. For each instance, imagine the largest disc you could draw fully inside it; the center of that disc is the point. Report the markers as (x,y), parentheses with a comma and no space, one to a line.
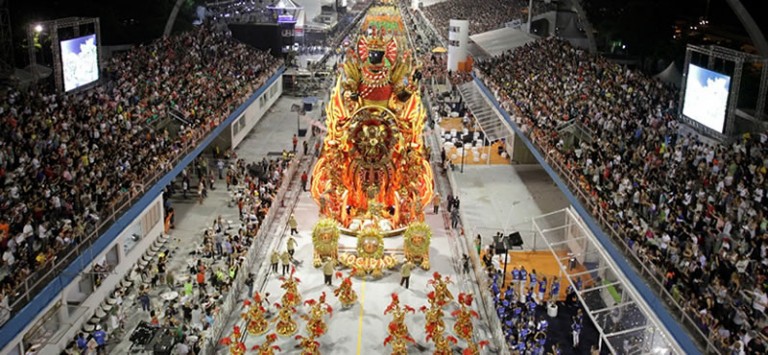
(373,177)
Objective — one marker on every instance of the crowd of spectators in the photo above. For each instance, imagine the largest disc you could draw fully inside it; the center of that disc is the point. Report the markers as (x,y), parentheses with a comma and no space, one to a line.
(69,160)
(483,16)
(425,39)
(244,11)
(692,210)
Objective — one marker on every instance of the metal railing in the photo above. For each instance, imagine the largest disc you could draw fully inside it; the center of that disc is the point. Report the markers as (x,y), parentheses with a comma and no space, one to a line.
(645,269)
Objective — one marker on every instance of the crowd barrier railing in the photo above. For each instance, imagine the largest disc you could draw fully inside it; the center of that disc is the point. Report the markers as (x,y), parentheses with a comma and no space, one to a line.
(45,273)
(646,270)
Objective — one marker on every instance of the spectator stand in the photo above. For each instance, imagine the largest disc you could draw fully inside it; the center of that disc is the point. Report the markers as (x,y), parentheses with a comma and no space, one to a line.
(570,185)
(39,288)
(626,323)
(339,37)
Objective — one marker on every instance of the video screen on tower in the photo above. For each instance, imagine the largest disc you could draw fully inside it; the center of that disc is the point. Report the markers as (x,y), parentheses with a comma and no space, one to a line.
(79,61)
(706,97)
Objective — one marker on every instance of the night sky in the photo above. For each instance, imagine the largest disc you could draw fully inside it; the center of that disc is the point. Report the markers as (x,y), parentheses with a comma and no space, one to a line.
(645,25)
(122,21)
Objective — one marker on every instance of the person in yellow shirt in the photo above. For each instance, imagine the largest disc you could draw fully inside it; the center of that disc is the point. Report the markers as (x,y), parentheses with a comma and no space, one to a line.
(328,269)
(405,273)
(436,203)
(293,224)
(291,245)
(274,259)
(285,259)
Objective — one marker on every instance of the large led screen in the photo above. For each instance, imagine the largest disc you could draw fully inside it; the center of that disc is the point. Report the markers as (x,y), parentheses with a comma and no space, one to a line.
(79,61)
(706,97)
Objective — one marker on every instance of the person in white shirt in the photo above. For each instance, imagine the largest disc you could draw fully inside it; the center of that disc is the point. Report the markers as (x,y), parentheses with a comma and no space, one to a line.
(28,230)
(759,302)
(181,349)
(8,258)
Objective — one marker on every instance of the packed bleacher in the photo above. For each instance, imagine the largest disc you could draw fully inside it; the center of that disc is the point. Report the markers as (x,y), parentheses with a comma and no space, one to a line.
(245,11)
(694,211)
(483,16)
(69,161)
(425,40)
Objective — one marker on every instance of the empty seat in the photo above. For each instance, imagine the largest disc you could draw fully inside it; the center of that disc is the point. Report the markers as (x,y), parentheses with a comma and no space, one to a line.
(100,314)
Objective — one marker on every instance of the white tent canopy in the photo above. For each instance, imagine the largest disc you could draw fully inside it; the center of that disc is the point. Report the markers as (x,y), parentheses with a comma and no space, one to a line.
(498,41)
(671,75)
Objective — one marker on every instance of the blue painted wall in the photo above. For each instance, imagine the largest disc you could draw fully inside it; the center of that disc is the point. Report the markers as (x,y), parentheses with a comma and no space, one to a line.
(654,302)
(51,292)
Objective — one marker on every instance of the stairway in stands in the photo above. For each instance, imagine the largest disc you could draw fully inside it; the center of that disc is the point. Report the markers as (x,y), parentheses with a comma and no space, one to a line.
(487,116)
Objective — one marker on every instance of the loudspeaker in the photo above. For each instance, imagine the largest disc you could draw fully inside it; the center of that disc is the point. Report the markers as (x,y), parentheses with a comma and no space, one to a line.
(516,240)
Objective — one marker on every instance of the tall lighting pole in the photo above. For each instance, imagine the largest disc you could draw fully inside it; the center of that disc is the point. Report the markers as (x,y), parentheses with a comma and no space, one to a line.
(530,14)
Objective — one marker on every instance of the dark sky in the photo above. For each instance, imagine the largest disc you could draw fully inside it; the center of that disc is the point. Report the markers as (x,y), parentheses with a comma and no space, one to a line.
(122,21)
(126,21)
(721,13)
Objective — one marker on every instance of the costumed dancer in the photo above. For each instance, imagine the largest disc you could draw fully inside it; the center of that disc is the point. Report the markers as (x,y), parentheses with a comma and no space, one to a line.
(267,348)
(346,295)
